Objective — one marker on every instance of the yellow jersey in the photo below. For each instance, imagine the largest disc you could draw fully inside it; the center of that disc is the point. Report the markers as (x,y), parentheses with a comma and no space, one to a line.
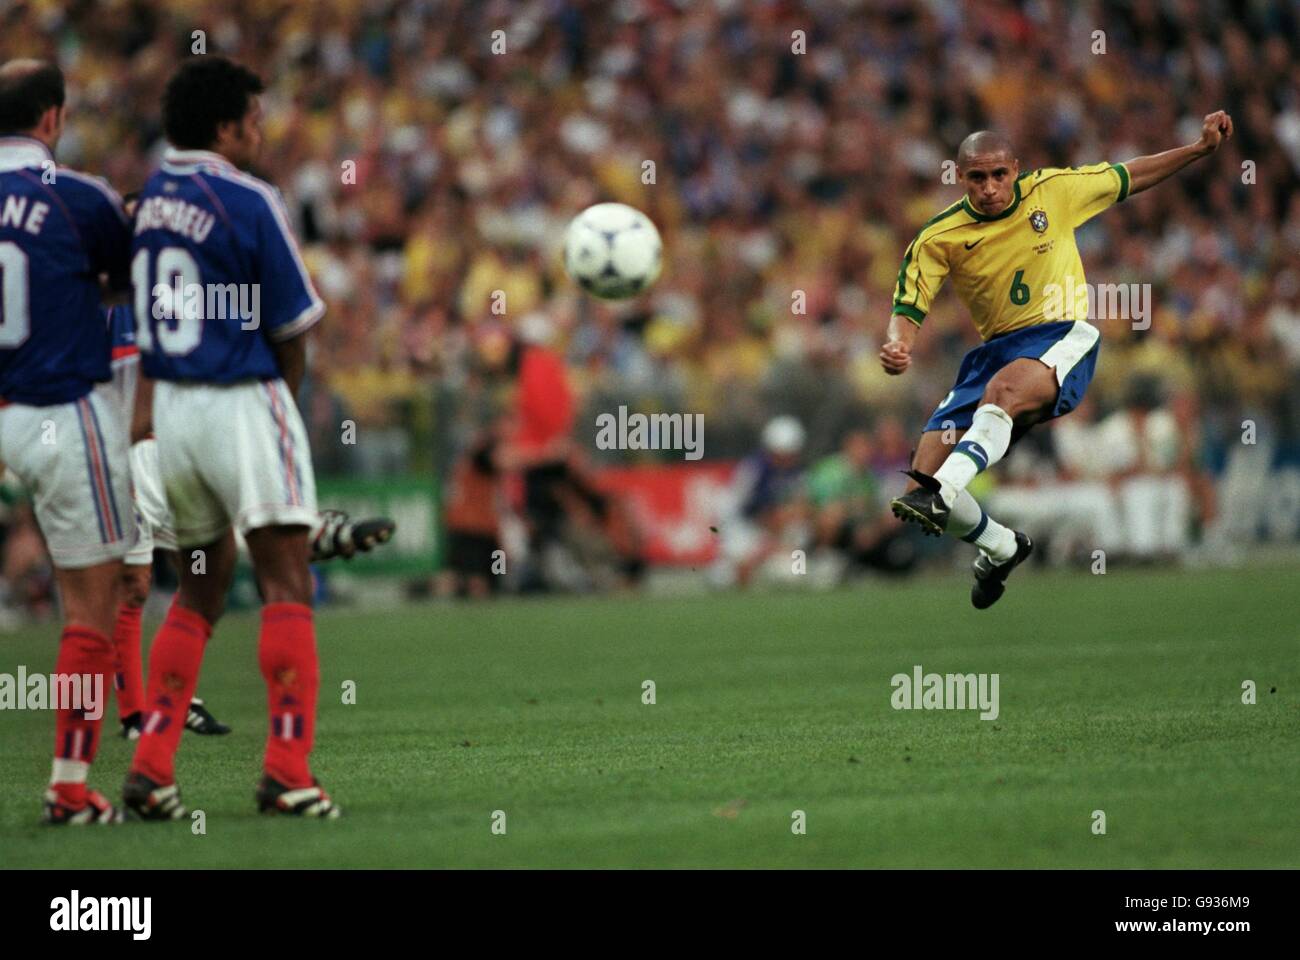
(1020,267)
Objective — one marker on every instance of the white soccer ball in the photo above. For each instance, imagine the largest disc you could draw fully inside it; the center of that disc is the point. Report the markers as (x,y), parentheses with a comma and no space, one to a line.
(613,251)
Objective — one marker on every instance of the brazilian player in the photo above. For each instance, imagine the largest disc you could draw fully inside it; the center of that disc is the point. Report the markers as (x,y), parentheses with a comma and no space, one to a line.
(1008,246)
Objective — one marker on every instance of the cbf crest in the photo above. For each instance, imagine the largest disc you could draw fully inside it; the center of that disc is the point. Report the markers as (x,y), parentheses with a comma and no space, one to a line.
(1038,220)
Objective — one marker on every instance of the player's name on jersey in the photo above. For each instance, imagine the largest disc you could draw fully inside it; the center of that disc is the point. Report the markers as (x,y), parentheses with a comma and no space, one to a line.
(950,691)
(208,301)
(177,216)
(54,691)
(23,213)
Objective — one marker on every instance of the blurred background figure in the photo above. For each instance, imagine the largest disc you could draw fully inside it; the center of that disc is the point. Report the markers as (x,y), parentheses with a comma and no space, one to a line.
(766,514)
(541,442)
(26,574)
(475,561)
(1145,456)
(852,525)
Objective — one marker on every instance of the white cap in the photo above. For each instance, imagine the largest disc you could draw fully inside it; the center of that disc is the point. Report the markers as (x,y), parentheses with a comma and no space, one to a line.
(783,434)
(536,328)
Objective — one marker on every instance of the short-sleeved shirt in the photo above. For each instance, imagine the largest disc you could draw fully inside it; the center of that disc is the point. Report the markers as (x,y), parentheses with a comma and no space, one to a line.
(834,478)
(1017,268)
(217,274)
(60,233)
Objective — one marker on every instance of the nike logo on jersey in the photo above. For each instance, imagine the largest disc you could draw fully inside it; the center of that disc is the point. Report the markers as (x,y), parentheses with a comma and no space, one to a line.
(971,246)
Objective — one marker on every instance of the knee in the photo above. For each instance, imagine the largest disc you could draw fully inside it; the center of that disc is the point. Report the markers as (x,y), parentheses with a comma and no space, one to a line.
(135,586)
(210,609)
(289,583)
(1005,394)
(208,603)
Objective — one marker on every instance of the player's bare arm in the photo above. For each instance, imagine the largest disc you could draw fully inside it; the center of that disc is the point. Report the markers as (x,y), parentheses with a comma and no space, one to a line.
(896,354)
(1146,172)
(292,356)
(142,409)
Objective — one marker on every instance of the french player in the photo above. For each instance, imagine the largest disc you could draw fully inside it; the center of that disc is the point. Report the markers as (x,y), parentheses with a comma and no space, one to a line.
(152,531)
(222,303)
(60,233)
(1008,246)
(333,535)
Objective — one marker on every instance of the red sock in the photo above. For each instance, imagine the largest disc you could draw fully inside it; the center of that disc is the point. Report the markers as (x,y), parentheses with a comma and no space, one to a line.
(83,653)
(128,679)
(173,674)
(287,653)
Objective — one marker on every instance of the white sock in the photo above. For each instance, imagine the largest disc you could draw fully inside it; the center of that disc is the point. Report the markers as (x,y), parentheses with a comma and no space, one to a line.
(997,541)
(964,517)
(969,522)
(983,445)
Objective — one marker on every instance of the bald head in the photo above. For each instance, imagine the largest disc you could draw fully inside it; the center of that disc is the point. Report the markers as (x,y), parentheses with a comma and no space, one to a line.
(29,89)
(988,167)
(984,143)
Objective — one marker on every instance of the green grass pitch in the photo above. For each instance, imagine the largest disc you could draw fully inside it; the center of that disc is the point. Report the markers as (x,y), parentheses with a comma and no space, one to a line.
(1120,693)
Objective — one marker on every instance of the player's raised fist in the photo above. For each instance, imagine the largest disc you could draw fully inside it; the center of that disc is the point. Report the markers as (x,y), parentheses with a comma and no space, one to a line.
(1216,128)
(895,357)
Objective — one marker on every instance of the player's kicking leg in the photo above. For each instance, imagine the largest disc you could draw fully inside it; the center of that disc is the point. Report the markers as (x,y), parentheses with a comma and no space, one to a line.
(1021,393)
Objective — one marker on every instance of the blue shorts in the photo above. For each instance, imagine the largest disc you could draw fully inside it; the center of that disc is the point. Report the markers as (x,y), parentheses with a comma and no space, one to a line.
(1069,347)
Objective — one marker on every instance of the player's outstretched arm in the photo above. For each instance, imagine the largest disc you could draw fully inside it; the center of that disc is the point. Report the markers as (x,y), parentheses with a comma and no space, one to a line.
(896,354)
(1147,171)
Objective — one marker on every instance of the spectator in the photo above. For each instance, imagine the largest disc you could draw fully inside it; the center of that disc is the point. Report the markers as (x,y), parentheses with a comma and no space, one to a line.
(765,511)
(851,522)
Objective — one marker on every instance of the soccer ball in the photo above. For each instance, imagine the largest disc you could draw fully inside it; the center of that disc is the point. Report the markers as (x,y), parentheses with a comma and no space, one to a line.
(613,251)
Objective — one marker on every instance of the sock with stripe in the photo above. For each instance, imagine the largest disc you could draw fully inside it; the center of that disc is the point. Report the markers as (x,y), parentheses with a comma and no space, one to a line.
(969,522)
(287,653)
(173,675)
(983,445)
(128,675)
(86,656)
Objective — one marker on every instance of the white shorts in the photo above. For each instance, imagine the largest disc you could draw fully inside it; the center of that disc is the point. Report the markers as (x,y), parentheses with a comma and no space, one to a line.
(232,454)
(153,518)
(72,458)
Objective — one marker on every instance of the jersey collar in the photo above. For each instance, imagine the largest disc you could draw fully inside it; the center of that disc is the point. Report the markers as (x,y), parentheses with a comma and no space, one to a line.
(193,158)
(17,153)
(984,218)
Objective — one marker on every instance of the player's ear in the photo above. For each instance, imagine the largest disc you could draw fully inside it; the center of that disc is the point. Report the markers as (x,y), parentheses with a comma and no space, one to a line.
(50,126)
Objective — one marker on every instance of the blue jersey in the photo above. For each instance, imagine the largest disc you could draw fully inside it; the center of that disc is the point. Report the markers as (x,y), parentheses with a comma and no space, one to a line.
(764,484)
(218,277)
(60,231)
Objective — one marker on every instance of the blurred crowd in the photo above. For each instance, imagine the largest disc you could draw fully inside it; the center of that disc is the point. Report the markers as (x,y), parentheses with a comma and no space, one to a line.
(431,153)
